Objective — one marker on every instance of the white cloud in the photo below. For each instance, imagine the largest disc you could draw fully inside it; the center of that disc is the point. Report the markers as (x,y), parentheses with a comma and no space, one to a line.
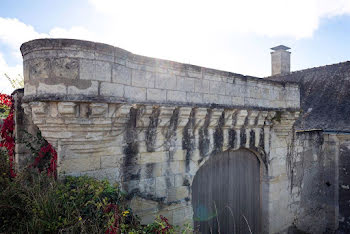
(187,31)
(11,71)
(14,32)
(291,18)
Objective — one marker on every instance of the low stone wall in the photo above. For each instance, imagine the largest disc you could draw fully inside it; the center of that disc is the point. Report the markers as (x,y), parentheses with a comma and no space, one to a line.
(69,68)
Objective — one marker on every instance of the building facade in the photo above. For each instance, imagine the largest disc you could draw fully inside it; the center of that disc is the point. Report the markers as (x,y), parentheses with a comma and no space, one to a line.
(215,149)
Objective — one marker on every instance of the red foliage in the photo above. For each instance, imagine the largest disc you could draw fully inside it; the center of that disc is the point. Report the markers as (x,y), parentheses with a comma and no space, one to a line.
(6,132)
(167,227)
(113,229)
(50,151)
(8,141)
(5,100)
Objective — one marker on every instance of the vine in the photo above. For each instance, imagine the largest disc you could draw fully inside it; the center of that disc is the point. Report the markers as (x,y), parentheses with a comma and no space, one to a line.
(45,157)
(7,139)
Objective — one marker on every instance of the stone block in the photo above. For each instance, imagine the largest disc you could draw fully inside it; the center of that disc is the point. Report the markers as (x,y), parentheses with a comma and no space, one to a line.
(80,164)
(185,84)
(39,68)
(179,180)
(121,74)
(176,96)
(201,86)
(111,161)
(29,89)
(51,89)
(179,155)
(194,97)
(95,70)
(66,108)
(177,193)
(87,69)
(111,89)
(217,87)
(135,93)
(165,81)
(67,68)
(148,186)
(103,71)
(152,157)
(107,57)
(138,204)
(164,182)
(26,69)
(90,90)
(211,98)
(225,100)
(111,174)
(75,54)
(143,78)
(156,95)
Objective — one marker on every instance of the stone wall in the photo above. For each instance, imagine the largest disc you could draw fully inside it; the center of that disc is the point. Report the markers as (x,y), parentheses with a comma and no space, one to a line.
(25,131)
(69,68)
(150,124)
(312,169)
(344,183)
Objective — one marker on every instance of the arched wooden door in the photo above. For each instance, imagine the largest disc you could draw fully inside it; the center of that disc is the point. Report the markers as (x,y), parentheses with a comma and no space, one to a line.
(226,194)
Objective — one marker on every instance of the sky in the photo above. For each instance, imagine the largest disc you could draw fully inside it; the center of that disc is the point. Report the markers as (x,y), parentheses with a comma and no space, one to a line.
(230,35)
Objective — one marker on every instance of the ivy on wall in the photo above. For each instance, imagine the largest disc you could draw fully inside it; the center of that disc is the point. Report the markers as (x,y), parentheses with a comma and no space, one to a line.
(46,156)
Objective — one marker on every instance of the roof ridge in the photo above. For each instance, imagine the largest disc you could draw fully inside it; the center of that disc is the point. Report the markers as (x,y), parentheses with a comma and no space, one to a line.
(309,69)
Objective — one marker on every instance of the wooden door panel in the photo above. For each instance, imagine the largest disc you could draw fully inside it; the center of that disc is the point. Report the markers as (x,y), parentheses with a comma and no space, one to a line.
(225,192)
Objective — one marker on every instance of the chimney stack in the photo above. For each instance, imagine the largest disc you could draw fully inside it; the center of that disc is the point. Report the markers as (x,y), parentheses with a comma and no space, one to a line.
(280,60)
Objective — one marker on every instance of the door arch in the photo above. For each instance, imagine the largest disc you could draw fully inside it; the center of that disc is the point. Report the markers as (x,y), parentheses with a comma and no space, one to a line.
(226,193)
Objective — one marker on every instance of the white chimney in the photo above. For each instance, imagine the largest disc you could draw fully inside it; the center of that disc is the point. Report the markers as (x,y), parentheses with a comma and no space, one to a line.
(280,60)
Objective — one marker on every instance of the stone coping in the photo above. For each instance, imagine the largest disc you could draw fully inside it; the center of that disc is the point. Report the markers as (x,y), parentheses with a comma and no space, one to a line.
(82,45)
(101,99)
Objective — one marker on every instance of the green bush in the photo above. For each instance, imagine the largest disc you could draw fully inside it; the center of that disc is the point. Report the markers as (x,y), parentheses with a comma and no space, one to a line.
(33,202)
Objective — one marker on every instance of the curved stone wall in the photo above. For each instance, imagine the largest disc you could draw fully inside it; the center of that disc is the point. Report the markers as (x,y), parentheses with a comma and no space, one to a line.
(73,69)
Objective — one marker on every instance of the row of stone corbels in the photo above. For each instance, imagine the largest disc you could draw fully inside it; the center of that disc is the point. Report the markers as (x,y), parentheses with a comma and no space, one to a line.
(74,116)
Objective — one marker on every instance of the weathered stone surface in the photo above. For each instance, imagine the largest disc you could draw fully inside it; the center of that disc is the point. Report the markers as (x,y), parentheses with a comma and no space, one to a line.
(150,124)
(92,89)
(156,95)
(121,74)
(134,93)
(111,89)
(67,68)
(39,68)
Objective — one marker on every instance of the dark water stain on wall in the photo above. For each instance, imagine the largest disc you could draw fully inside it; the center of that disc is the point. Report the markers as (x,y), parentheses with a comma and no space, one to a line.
(262,139)
(218,135)
(232,138)
(131,149)
(170,144)
(151,132)
(188,140)
(252,139)
(204,140)
(243,136)
(170,133)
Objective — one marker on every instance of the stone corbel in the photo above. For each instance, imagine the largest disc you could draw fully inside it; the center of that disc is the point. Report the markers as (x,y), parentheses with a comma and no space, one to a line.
(213,124)
(239,123)
(184,115)
(228,124)
(166,112)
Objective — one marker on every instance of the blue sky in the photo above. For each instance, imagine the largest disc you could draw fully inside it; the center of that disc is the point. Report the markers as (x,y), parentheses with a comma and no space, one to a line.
(230,35)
